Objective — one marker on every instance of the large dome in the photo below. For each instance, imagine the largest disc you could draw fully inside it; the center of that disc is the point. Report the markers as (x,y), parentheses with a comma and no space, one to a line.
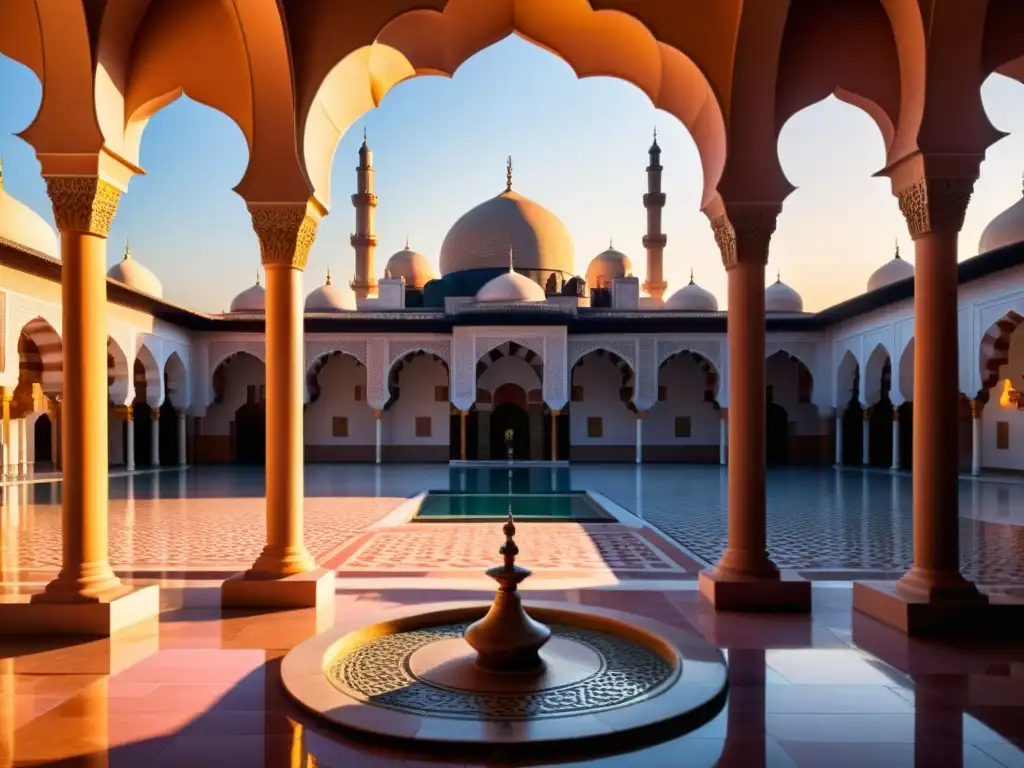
(779,297)
(482,237)
(692,298)
(21,225)
(135,276)
(1005,229)
(328,298)
(892,271)
(252,300)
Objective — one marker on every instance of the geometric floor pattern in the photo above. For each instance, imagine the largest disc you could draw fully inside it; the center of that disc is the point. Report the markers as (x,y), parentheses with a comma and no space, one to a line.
(213,518)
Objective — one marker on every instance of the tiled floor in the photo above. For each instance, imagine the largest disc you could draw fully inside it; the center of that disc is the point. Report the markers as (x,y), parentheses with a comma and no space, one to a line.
(203,688)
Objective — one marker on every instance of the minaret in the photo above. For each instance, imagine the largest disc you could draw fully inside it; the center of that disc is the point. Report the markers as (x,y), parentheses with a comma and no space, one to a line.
(654,241)
(364,240)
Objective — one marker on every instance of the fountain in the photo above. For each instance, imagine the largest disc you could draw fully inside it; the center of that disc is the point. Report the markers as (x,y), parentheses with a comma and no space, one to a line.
(492,679)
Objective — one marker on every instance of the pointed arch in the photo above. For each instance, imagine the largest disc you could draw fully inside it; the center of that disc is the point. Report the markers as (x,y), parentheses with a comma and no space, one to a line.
(176,382)
(50,349)
(847,379)
(120,382)
(148,378)
(877,374)
(994,350)
(905,373)
(318,364)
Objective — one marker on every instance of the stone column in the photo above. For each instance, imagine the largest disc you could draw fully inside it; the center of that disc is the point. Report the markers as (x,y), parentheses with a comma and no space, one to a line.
(723,436)
(284,575)
(462,434)
(554,433)
(976,440)
(84,208)
(182,437)
(895,439)
(640,437)
(839,437)
(6,396)
(129,438)
(378,435)
(941,597)
(154,437)
(745,578)
(56,434)
(23,428)
(865,431)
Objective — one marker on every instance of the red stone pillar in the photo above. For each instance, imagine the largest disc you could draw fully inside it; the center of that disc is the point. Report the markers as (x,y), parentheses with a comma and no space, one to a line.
(746,578)
(934,209)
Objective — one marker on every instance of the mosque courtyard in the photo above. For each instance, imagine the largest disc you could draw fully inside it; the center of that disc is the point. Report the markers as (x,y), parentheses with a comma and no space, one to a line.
(203,686)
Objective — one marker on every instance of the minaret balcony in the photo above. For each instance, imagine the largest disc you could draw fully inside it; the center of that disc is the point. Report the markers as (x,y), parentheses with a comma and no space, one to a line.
(655,241)
(654,200)
(362,240)
(364,200)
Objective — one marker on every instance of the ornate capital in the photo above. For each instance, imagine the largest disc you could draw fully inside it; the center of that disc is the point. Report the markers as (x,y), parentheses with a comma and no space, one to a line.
(896,413)
(744,232)
(83,203)
(935,205)
(286,232)
(976,408)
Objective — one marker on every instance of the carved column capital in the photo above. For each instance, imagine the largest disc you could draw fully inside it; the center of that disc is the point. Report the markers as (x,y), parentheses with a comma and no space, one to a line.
(285,231)
(744,232)
(935,205)
(976,408)
(84,204)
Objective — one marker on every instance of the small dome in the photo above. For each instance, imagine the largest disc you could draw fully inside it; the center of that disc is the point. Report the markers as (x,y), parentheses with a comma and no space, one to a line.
(411,265)
(481,237)
(328,298)
(253,299)
(510,287)
(779,297)
(135,276)
(1005,229)
(607,266)
(21,225)
(692,298)
(892,271)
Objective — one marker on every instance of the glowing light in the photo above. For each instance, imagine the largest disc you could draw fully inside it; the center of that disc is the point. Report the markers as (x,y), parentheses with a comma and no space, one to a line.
(1010,396)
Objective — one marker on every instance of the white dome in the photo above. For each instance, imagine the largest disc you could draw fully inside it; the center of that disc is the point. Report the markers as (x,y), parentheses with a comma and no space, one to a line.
(21,225)
(482,236)
(779,297)
(892,271)
(135,276)
(328,298)
(510,287)
(607,266)
(253,299)
(692,298)
(411,265)
(1005,229)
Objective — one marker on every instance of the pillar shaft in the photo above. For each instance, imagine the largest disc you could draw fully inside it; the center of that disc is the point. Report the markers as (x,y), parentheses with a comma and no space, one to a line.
(976,441)
(9,453)
(639,437)
(182,438)
(935,210)
(462,434)
(84,208)
(865,431)
(554,433)
(839,437)
(154,437)
(723,437)
(129,439)
(744,245)
(895,438)
(378,427)
(286,234)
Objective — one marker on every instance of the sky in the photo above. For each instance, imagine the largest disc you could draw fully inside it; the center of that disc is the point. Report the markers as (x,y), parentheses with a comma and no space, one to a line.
(579,148)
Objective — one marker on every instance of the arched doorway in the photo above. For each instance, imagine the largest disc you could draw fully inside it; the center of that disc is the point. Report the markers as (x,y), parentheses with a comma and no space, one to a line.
(168,434)
(880,433)
(142,416)
(251,434)
(510,416)
(853,434)
(43,435)
(907,435)
(776,431)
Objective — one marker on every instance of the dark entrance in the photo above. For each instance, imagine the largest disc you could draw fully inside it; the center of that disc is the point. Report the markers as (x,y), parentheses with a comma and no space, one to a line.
(563,435)
(776,432)
(907,435)
(880,432)
(853,434)
(168,434)
(141,415)
(43,441)
(251,434)
(510,416)
(472,435)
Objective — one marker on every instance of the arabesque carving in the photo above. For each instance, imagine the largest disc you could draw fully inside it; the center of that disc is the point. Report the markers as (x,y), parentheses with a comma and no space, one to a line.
(84,204)
(286,233)
(745,232)
(936,205)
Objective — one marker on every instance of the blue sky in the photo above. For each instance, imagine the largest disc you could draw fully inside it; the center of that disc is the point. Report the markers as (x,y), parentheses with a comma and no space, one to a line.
(579,148)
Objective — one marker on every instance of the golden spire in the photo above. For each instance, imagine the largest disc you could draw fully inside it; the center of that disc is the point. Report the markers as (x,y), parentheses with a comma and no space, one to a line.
(897,249)
(257,275)
(328,276)
(510,267)
(778,275)
(508,175)
(407,241)
(127,250)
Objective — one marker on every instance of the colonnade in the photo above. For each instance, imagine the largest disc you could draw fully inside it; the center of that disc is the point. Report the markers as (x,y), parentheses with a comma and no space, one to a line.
(865,459)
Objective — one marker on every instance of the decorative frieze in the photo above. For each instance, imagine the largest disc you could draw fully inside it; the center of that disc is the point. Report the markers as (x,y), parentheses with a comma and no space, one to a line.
(285,232)
(744,232)
(85,204)
(936,205)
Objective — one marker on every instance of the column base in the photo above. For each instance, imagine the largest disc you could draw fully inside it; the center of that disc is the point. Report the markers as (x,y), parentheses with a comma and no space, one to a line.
(751,595)
(919,617)
(23,615)
(302,590)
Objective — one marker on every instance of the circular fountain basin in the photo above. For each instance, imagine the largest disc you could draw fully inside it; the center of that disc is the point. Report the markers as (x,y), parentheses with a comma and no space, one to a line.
(412,677)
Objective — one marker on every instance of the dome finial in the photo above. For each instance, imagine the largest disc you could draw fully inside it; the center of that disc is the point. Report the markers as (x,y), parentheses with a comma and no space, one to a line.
(691,275)
(127,250)
(897,254)
(328,276)
(778,275)
(364,134)
(511,268)
(508,174)
(407,241)
(655,134)
(610,246)
(257,275)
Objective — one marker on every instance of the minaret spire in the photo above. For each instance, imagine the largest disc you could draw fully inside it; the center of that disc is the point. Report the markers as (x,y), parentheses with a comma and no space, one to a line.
(257,275)
(364,241)
(691,275)
(328,276)
(511,267)
(407,241)
(654,241)
(508,174)
(897,255)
